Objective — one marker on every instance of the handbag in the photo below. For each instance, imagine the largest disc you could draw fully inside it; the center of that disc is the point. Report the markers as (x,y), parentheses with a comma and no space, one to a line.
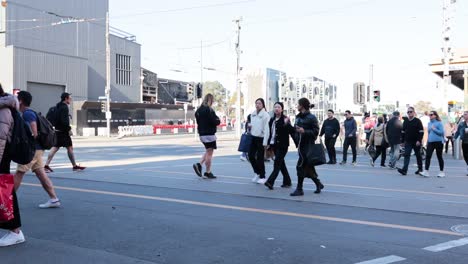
(7,183)
(316,154)
(245,142)
(372,152)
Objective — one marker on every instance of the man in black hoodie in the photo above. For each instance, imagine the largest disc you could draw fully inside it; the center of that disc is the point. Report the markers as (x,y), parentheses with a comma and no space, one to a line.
(412,136)
(331,129)
(62,126)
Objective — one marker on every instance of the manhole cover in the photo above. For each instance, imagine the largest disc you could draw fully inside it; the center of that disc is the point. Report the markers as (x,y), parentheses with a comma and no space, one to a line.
(461,229)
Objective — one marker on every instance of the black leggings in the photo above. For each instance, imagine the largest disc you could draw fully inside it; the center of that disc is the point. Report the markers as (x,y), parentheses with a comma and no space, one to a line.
(438,147)
(5,169)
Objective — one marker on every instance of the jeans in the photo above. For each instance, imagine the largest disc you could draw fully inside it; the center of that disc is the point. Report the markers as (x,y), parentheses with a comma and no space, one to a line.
(280,165)
(394,154)
(349,141)
(409,146)
(330,144)
(257,156)
(438,147)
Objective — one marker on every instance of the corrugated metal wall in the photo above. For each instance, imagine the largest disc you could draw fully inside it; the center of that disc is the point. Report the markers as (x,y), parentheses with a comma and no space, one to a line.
(6,72)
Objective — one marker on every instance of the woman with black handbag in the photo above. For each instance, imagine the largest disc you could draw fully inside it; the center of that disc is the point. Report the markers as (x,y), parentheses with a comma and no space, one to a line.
(307,130)
(278,142)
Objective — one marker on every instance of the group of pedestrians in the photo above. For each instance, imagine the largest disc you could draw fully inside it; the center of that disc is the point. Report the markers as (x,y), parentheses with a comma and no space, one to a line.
(9,106)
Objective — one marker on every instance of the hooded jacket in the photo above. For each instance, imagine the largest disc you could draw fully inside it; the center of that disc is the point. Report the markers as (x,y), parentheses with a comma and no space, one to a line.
(260,127)
(6,119)
(377,136)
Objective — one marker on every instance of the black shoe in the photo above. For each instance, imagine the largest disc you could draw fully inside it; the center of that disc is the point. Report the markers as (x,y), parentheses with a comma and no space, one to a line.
(197,167)
(297,193)
(333,162)
(209,175)
(330,162)
(269,185)
(286,186)
(319,186)
(418,172)
(402,172)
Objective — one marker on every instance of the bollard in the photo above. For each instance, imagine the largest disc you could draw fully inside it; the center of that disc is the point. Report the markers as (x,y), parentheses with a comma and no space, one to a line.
(190,130)
(176,131)
(457,149)
(158,131)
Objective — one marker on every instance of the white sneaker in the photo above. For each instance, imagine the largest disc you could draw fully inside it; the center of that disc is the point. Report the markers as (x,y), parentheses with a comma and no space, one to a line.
(243,158)
(424,173)
(11,238)
(51,204)
(255,179)
(262,181)
(441,174)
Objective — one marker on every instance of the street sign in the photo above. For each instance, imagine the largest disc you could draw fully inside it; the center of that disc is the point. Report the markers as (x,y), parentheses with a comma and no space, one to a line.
(108,115)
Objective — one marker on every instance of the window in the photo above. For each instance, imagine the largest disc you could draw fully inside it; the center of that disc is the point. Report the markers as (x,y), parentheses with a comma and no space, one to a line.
(123,70)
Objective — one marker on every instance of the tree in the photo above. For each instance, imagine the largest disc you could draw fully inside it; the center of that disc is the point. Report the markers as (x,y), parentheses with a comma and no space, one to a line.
(423,106)
(219,92)
(231,110)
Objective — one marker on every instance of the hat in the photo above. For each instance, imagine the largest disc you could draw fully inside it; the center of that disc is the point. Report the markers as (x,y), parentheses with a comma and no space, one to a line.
(396,113)
(65,96)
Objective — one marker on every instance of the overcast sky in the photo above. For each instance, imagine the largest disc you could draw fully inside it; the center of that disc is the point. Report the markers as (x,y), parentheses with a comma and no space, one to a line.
(333,40)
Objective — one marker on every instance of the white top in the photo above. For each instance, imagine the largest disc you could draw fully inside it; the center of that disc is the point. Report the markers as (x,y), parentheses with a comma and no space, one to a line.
(260,128)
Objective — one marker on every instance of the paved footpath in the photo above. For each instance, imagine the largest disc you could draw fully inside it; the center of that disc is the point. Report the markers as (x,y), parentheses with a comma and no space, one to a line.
(140,202)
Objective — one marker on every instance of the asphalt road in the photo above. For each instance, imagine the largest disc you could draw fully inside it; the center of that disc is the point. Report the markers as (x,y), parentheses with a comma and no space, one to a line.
(140,202)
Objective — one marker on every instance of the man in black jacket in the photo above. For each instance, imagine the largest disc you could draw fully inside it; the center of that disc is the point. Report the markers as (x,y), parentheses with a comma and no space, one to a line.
(412,135)
(331,129)
(393,137)
(207,122)
(63,129)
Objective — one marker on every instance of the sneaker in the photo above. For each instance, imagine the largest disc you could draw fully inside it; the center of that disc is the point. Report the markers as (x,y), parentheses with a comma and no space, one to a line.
(372,162)
(418,172)
(269,185)
(78,168)
(354,163)
(286,186)
(242,158)
(197,167)
(402,172)
(48,169)
(11,238)
(50,204)
(209,175)
(441,174)
(343,163)
(255,179)
(424,173)
(297,193)
(262,181)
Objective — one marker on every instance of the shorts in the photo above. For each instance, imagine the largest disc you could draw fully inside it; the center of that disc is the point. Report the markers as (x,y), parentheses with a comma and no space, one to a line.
(35,164)
(210,145)
(63,140)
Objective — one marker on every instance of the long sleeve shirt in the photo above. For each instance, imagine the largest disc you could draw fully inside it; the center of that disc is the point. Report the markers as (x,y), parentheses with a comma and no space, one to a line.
(413,131)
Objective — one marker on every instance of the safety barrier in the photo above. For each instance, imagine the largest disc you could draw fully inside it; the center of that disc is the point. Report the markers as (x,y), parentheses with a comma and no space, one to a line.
(128,131)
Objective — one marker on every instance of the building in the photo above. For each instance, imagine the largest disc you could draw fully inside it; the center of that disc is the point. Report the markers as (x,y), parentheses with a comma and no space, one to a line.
(49,47)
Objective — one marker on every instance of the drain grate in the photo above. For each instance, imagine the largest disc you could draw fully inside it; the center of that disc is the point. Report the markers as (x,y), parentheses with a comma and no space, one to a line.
(461,229)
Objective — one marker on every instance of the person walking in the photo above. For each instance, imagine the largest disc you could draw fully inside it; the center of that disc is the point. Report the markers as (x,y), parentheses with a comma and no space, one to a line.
(393,137)
(435,141)
(350,128)
(331,130)
(462,133)
(7,102)
(369,125)
(449,133)
(307,131)
(377,139)
(260,132)
(36,165)
(244,155)
(278,141)
(207,122)
(62,126)
(412,136)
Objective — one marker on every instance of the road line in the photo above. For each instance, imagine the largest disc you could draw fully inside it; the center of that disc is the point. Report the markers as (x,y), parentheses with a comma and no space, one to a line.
(257,210)
(384,260)
(447,245)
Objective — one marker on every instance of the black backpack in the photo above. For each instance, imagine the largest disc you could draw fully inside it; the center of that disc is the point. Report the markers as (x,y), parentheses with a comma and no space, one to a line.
(45,132)
(52,115)
(22,145)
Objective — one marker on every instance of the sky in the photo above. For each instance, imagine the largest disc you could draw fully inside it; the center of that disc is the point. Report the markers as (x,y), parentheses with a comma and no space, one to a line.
(334,40)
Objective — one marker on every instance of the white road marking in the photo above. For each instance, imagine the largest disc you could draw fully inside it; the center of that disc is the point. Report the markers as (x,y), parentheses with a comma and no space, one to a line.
(447,245)
(384,260)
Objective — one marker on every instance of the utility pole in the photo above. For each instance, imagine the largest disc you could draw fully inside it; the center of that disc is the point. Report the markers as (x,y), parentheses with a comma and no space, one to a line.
(447,49)
(371,85)
(108,77)
(238,82)
(195,90)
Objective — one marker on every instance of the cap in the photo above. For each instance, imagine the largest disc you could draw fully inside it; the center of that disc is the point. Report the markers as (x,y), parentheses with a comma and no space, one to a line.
(65,96)
(396,113)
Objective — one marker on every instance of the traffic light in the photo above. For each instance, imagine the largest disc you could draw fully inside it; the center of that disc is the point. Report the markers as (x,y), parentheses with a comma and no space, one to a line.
(190,90)
(103,106)
(377,95)
(199,90)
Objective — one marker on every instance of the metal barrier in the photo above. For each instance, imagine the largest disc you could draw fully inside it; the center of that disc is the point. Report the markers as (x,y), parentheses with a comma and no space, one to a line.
(457,149)
(125,131)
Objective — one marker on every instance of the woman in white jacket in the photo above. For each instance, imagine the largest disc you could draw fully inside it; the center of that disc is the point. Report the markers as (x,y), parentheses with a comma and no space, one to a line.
(260,132)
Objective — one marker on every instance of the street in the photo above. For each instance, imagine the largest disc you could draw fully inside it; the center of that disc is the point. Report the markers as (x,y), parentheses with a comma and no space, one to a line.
(139,201)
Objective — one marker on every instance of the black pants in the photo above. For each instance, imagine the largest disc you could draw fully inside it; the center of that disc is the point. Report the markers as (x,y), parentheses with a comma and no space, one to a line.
(349,141)
(409,146)
(257,156)
(465,152)
(330,144)
(280,165)
(380,150)
(449,141)
(304,171)
(5,169)
(438,147)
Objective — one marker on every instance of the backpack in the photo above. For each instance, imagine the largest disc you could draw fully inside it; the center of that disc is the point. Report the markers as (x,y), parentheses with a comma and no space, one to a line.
(45,132)
(22,145)
(52,115)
